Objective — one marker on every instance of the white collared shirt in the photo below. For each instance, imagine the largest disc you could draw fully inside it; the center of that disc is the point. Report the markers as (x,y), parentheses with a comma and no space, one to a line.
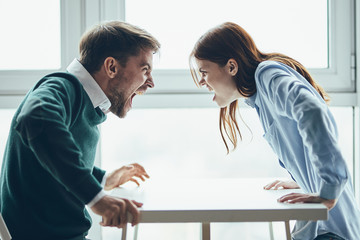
(92,88)
(98,99)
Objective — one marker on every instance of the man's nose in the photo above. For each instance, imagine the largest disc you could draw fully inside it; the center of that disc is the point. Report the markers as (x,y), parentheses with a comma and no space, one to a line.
(202,82)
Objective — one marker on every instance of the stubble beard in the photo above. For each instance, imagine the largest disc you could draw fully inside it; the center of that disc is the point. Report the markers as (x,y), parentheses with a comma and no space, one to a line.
(117,101)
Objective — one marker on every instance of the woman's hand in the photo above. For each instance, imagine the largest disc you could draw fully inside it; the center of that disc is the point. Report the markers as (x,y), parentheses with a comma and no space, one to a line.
(125,174)
(277,184)
(307,198)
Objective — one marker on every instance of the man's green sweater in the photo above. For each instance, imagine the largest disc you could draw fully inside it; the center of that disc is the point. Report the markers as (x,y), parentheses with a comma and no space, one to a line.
(48,172)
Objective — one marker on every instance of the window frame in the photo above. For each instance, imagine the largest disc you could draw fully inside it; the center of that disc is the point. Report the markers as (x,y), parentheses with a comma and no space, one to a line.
(338,79)
(77,16)
(18,82)
(356,117)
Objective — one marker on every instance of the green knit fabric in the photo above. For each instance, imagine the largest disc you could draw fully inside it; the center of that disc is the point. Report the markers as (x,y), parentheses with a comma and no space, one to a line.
(47,173)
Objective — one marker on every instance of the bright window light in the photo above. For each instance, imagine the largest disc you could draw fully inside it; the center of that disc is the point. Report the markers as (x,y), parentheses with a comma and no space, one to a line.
(296,28)
(30,34)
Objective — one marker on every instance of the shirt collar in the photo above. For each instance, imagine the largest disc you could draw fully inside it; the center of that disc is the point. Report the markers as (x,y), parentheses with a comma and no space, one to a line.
(251,100)
(95,93)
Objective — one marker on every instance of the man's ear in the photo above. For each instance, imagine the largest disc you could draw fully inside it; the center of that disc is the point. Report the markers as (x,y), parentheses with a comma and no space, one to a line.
(111,67)
(232,66)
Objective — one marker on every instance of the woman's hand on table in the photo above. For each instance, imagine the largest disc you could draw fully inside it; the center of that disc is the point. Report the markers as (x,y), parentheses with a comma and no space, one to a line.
(278,184)
(307,198)
(125,174)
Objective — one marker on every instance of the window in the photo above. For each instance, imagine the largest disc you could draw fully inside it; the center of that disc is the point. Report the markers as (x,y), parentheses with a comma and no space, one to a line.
(324,27)
(6,116)
(30,35)
(277,30)
(318,34)
(144,135)
(39,37)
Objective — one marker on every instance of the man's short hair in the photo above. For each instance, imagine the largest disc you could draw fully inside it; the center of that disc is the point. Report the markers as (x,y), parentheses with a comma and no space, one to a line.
(113,39)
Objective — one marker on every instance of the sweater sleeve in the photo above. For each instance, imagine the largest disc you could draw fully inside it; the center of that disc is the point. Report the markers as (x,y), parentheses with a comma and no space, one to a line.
(292,98)
(43,125)
(98,174)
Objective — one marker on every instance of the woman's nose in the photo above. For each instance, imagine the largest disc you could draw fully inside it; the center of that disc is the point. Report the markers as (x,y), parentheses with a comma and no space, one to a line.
(149,82)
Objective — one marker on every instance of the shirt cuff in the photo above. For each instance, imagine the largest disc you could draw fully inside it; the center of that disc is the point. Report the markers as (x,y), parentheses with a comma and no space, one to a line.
(330,191)
(100,195)
(97,198)
(104,180)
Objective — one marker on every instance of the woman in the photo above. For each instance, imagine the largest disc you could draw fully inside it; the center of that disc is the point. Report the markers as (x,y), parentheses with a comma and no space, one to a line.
(296,119)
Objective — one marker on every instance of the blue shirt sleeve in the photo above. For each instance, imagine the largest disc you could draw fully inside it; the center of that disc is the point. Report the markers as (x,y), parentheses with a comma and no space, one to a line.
(293,97)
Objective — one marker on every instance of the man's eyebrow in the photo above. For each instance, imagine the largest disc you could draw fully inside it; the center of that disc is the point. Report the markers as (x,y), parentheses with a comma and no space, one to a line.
(201,70)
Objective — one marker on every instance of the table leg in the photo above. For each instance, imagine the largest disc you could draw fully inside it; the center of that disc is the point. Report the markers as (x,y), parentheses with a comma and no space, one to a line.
(123,235)
(271,230)
(205,231)
(287,229)
(136,230)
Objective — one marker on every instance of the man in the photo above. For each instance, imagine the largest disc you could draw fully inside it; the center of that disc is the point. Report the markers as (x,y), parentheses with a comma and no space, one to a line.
(48,173)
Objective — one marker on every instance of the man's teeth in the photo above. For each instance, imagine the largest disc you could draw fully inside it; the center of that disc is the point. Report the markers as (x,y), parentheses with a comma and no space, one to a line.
(140,93)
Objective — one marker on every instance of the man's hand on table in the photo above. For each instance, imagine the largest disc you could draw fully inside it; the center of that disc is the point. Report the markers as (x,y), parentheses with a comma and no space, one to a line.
(114,211)
(125,174)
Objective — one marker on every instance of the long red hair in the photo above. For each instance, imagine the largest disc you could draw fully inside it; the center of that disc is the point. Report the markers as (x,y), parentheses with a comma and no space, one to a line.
(229,40)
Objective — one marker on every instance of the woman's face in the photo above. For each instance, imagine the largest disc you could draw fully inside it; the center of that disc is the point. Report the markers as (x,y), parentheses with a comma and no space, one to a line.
(219,80)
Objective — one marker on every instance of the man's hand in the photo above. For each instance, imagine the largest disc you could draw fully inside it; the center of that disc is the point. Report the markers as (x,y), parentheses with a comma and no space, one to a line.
(125,174)
(277,184)
(307,198)
(114,211)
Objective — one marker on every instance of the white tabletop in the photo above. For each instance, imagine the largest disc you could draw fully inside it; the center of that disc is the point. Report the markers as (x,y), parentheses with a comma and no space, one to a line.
(215,200)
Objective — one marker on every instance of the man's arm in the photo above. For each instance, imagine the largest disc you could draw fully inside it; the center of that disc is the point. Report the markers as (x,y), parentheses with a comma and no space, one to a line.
(43,125)
(114,211)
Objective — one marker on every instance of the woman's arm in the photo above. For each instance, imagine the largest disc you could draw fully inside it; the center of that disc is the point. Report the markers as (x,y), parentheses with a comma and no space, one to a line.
(295,99)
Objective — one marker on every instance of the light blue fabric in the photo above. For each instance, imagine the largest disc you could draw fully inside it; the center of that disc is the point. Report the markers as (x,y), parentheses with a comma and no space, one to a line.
(301,130)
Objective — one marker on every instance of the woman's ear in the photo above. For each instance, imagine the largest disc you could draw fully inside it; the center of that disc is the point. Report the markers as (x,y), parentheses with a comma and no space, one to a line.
(111,67)
(232,66)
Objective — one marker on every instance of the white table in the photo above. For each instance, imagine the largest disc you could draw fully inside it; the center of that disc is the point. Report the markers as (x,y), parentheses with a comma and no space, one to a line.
(216,200)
